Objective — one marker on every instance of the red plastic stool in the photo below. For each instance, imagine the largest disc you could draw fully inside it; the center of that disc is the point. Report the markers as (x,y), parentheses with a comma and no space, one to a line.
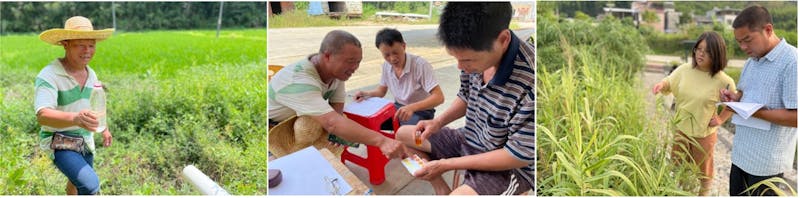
(375,161)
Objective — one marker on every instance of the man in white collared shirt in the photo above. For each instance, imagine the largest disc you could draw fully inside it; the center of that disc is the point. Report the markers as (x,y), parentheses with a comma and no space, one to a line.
(410,79)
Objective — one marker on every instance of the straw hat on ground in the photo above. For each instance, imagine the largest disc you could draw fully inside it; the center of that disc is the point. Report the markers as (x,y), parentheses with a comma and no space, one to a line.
(297,133)
(76,27)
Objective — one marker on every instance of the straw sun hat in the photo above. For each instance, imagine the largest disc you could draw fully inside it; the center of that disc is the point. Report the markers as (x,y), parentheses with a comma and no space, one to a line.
(76,27)
(297,133)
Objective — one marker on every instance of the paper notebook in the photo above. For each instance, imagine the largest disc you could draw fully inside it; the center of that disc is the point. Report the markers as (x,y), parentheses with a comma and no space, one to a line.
(366,108)
(744,111)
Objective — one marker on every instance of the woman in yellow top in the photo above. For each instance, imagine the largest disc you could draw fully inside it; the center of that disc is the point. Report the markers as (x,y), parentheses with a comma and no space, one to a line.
(696,89)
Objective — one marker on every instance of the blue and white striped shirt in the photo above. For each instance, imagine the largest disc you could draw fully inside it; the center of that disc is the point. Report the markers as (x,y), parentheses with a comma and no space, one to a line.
(500,114)
(770,80)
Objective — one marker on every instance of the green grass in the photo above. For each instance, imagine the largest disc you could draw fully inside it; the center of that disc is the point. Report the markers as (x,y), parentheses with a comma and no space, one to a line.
(175,98)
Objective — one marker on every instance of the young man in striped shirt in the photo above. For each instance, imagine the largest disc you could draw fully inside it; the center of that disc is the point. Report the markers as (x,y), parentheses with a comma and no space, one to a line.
(496,146)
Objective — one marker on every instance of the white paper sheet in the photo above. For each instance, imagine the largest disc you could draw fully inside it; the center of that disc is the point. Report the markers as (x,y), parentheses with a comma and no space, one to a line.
(367,107)
(304,173)
(751,122)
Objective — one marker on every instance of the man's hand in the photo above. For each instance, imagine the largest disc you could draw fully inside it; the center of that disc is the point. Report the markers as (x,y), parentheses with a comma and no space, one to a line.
(726,95)
(106,138)
(404,113)
(428,128)
(432,170)
(86,119)
(360,96)
(392,148)
(715,121)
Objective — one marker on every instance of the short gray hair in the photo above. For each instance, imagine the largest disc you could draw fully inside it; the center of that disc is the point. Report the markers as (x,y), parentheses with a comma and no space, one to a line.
(335,40)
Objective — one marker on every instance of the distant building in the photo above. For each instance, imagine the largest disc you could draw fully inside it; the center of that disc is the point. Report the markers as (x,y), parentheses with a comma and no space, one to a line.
(668,18)
(523,11)
(724,16)
(621,13)
(349,9)
(275,7)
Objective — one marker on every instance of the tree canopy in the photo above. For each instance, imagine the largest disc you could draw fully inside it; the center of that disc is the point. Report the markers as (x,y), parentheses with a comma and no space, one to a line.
(23,17)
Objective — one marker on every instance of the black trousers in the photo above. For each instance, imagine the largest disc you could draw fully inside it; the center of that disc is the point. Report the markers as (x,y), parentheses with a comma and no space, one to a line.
(741,180)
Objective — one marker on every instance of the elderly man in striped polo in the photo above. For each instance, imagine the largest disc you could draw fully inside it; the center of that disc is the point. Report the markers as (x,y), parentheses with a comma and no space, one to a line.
(497,145)
(62,104)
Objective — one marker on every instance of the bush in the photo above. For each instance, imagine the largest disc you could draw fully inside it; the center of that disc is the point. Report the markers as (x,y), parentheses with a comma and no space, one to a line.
(610,37)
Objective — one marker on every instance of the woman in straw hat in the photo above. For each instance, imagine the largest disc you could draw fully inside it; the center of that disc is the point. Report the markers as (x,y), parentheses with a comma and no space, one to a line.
(62,104)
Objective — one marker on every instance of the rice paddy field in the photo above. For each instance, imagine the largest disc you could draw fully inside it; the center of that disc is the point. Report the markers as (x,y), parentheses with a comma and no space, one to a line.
(594,136)
(175,98)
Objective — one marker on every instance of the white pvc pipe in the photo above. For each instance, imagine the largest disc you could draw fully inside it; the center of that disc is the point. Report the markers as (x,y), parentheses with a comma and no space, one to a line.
(202,182)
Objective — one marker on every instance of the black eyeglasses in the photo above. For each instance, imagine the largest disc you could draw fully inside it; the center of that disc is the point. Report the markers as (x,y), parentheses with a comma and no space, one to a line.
(698,50)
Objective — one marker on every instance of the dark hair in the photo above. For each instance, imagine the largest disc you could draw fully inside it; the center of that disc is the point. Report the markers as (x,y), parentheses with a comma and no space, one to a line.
(754,17)
(715,48)
(335,40)
(388,36)
(471,25)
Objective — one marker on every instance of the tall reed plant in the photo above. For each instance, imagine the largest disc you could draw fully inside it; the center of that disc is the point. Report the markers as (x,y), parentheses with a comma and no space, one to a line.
(595,136)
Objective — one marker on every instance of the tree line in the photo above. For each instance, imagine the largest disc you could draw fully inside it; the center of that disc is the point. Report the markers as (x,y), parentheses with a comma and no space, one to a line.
(784,13)
(25,17)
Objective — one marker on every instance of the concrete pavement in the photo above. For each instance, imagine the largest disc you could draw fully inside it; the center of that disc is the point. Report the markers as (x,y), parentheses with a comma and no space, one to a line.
(664,59)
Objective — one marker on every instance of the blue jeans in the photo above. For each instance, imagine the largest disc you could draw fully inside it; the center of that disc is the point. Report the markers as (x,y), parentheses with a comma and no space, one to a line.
(79,170)
(416,117)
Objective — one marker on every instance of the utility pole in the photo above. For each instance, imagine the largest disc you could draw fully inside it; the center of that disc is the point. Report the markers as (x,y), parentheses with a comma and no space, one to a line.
(114,16)
(1,21)
(219,21)
(430,10)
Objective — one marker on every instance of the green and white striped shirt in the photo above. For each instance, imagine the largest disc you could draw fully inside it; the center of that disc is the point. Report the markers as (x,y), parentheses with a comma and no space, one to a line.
(58,90)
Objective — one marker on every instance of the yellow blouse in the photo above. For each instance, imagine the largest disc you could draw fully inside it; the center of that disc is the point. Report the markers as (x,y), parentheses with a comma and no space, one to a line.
(696,94)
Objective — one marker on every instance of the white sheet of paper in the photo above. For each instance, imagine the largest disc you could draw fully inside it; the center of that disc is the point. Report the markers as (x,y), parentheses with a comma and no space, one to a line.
(751,122)
(367,107)
(304,173)
(744,109)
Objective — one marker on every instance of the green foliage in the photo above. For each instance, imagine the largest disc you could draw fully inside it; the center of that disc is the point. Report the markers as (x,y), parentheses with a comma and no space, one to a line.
(784,13)
(734,73)
(301,6)
(670,44)
(618,41)
(302,19)
(175,98)
(582,16)
(649,16)
(593,139)
(131,16)
(415,7)
(568,8)
(771,185)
